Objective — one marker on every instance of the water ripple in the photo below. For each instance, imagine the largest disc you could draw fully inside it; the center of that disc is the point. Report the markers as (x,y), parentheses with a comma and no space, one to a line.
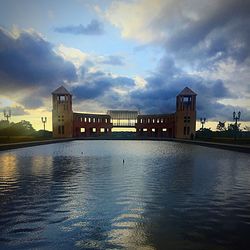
(80,195)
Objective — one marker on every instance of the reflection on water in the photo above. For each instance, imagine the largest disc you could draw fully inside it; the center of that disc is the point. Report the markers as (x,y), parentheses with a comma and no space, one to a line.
(80,195)
(8,174)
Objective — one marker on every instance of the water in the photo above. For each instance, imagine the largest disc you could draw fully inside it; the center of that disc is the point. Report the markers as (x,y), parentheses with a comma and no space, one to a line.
(166,195)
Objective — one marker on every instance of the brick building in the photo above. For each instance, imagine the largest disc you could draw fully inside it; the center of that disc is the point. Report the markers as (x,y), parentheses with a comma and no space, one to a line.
(67,123)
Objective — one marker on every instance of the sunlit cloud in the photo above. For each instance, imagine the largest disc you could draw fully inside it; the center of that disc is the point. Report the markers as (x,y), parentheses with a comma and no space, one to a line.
(76,56)
(200,44)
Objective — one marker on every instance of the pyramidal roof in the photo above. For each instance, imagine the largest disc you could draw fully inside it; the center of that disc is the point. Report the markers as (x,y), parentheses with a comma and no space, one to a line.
(61,91)
(187,91)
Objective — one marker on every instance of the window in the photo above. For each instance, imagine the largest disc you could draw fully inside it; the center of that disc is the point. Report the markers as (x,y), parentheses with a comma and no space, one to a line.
(63,129)
(185,130)
(102,130)
(186,101)
(59,130)
(93,130)
(89,119)
(164,130)
(145,130)
(188,130)
(83,130)
(186,119)
(62,98)
(153,129)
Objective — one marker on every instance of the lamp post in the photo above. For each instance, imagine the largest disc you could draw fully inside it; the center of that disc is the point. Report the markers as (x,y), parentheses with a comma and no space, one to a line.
(7,114)
(202,120)
(44,120)
(236,118)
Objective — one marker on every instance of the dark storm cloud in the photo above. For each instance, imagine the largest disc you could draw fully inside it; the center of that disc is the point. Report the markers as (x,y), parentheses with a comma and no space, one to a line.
(222,30)
(217,31)
(98,83)
(93,28)
(31,102)
(159,94)
(92,89)
(28,63)
(164,85)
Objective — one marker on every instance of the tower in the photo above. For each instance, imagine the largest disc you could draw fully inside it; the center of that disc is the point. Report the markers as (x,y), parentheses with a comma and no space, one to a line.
(185,114)
(62,114)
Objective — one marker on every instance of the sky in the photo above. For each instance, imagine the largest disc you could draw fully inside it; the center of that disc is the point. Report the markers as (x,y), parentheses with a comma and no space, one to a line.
(133,54)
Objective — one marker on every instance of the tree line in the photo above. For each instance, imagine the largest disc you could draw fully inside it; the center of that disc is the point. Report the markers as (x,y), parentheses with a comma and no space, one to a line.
(229,131)
(22,128)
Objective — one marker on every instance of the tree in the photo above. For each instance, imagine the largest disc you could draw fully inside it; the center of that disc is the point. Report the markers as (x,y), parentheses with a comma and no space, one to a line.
(233,127)
(4,124)
(12,129)
(23,128)
(221,126)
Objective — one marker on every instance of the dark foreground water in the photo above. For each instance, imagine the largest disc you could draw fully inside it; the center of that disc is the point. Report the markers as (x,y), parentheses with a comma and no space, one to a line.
(165,196)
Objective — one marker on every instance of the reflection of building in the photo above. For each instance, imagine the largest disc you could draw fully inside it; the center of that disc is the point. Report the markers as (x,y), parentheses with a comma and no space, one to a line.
(180,124)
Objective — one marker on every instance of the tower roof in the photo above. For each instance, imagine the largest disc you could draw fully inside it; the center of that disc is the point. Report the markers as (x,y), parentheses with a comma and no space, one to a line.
(187,91)
(61,91)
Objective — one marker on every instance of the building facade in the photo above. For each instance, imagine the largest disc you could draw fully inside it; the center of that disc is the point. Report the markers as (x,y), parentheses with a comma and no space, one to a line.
(67,123)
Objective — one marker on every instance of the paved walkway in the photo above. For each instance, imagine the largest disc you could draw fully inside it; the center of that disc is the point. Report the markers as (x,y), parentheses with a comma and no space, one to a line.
(8,146)
(234,147)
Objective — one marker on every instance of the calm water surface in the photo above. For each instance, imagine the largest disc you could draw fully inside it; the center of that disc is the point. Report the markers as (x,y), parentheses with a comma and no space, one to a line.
(166,195)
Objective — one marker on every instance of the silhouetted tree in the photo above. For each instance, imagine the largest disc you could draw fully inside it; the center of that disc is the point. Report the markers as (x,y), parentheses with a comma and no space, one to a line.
(20,128)
(204,133)
(221,126)
(4,124)
(24,127)
(233,127)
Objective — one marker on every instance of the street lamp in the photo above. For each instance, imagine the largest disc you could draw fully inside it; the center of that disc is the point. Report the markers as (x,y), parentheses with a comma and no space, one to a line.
(202,120)
(7,114)
(44,120)
(236,118)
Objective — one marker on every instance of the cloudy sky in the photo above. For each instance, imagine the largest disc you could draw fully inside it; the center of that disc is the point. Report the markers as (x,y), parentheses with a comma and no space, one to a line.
(133,54)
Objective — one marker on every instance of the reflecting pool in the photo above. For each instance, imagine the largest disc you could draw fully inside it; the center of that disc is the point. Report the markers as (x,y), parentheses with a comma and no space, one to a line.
(165,195)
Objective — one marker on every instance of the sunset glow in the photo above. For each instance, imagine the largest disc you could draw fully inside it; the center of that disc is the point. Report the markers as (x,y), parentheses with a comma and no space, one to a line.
(134,55)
